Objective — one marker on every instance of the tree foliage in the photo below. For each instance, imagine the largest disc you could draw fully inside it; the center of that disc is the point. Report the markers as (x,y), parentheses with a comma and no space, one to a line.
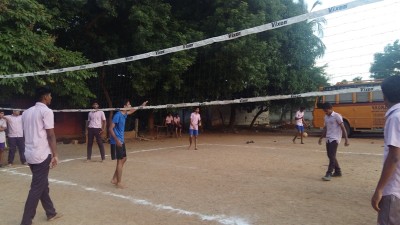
(387,63)
(26,46)
(107,29)
(279,61)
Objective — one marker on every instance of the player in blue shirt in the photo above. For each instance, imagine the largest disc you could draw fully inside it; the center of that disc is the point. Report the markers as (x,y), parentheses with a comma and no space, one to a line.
(118,150)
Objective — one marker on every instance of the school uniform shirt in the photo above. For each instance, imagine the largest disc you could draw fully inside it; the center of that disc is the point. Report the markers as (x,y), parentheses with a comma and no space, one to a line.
(3,124)
(299,114)
(95,119)
(168,119)
(195,119)
(177,120)
(119,120)
(15,126)
(333,129)
(36,120)
(392,137)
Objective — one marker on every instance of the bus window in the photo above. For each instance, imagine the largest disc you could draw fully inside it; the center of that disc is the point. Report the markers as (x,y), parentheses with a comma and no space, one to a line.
(320,99)
(377,96)
(346,98)
(319,102)
(362,97)
(330,99)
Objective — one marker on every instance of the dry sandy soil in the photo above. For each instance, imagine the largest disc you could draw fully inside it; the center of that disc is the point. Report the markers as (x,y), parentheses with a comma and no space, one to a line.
(227,181)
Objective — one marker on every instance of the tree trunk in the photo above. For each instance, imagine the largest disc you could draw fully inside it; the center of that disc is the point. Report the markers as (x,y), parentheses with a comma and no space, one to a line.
(151,123)
(107,96)
(291,114)
(284,111)
(232,119)
(257,115)
(222,118)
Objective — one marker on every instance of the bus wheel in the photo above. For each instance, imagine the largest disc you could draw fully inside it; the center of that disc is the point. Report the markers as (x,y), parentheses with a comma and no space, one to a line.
(348,129)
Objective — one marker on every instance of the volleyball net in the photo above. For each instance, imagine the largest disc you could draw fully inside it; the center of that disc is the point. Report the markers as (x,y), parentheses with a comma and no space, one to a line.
(110,64)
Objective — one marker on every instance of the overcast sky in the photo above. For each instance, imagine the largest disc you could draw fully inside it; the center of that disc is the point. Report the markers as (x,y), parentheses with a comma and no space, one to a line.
(352,37)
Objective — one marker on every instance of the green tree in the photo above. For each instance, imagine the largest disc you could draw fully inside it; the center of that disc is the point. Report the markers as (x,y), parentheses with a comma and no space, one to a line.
(107,29)
(225,70)
(27,46)
(300,47)
(280,61)
(387,63)
(293,69)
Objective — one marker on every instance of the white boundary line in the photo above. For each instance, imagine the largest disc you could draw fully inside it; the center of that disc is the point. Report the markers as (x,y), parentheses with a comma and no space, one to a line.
(207,144)
(355,153)
(222,219)
(273,148)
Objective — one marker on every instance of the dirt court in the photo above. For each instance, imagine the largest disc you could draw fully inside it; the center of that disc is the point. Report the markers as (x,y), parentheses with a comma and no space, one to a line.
(227,181)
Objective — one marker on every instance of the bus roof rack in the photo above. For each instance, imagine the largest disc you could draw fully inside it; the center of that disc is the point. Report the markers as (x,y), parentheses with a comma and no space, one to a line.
(351,84)
(376,81)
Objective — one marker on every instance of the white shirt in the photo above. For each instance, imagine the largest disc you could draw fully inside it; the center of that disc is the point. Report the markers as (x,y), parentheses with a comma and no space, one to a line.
(3,124)
(168,119)
(299,114)
(95,119)
(15,126)
(392,137)
(333,128)
(35,121)
(177,120)
(194,119)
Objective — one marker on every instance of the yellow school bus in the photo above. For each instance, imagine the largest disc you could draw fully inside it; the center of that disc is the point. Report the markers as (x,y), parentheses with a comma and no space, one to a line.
(361,111)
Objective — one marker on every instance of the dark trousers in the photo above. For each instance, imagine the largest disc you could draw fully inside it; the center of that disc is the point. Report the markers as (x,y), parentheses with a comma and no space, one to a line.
(13,143)
(390,210)
(331,149)
(92,133)
(39,191)
(170,128)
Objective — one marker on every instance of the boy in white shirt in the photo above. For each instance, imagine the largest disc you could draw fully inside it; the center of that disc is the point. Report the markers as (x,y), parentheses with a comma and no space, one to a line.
(177,125)
(41,155)
(15,137)
(96,125)
(299,124)
(195,122)
(169,124)
(3,127)
(386,199)
(332,131)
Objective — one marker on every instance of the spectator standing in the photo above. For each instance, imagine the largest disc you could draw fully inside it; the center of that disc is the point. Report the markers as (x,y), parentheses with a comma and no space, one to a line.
(15,137)
(169,124)
(195,122)
(96,125)
(3,127)
(177,125)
